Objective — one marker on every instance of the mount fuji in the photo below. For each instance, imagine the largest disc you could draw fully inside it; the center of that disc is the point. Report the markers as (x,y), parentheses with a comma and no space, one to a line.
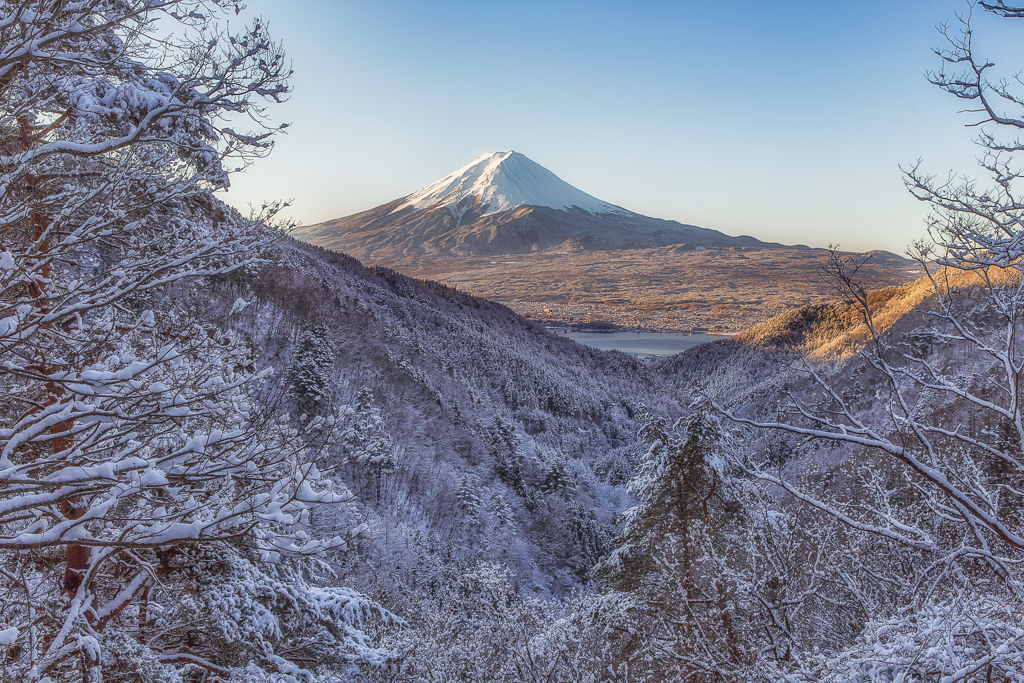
(503,203)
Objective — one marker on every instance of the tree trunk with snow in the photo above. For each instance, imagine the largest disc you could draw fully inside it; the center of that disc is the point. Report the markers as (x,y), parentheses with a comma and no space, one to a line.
(130,431)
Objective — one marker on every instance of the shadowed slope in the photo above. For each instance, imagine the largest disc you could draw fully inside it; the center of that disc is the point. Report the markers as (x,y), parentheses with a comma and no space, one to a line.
(382,235)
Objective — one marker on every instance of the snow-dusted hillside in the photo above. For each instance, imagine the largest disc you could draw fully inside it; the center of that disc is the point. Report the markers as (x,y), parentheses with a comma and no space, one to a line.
(228,456)
(471,402)
(493,463)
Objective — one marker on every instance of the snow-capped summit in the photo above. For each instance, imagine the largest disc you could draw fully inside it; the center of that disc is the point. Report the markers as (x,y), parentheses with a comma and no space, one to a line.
(502,203)
(503,181)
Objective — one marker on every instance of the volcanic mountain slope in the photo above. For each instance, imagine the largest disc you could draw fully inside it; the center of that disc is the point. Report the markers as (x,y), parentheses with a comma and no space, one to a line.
(506,228)
(502,203)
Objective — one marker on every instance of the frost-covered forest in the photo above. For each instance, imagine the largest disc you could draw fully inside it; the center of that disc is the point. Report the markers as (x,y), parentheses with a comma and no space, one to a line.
(229,456)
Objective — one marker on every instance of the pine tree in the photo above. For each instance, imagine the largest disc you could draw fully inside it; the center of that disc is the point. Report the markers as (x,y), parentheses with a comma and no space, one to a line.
(673,489)
(503,448)
(588,538)
(467,498)
(501,512)
(666,552)
(308,378)
(374,446)
(368,444)
(557,477)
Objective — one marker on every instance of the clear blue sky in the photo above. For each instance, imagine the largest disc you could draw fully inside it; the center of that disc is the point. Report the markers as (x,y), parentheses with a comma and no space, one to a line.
(785,120)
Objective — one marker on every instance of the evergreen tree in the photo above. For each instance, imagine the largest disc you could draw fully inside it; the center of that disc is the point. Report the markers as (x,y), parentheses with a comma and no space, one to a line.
(588,538)
(374,446)
(667,555)
(468,496)
(503,448)
(501,512)
(557,477)
(367,444)
(308,377)
(673,489)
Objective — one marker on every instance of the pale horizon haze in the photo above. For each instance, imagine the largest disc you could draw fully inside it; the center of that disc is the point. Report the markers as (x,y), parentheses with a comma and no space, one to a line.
(786,121)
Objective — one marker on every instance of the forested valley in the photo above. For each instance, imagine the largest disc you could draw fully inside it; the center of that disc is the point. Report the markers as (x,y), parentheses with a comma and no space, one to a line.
(226,455)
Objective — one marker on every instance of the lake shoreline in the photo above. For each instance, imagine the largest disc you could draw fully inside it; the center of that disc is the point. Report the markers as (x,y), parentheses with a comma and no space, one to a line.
(642,343)
(585,328)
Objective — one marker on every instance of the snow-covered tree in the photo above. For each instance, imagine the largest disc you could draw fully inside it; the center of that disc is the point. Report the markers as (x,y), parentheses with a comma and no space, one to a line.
(131,434)
(501,512)
(372,444)
(503,448)
(673,488)
(557,479)
(468,496)
(308,377)
(931,482)
(667,556)
(366,445)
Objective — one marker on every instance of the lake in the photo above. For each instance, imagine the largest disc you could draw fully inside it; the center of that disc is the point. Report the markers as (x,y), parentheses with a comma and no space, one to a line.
(640,343)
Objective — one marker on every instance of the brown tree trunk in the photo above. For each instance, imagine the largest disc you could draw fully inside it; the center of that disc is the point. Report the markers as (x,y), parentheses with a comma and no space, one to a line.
(77,555)
(144,615)
(731,642)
